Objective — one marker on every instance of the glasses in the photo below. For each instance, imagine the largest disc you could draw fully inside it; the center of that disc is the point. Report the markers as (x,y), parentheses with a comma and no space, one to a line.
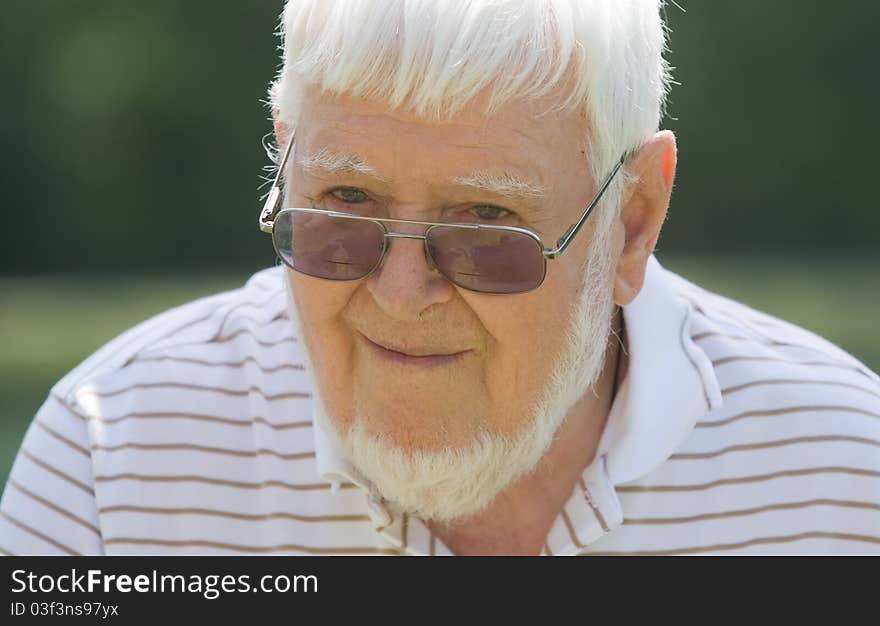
(480,257)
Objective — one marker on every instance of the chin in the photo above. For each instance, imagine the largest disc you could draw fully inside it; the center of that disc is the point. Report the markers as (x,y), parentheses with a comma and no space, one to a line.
(452,481)
(462,476)
(409,428)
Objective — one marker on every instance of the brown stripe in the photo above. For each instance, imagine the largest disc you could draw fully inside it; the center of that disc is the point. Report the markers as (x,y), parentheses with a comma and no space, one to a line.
(57,472)
(58,436)
(772,444)
(180,329)
(732,359)
(404,524)
(248,321)
(216,341)
(297,456)
(236,364)
(757,383)
(126,508)
(70,408)
(51,505)
(64,406)
(432,544)
(571,533)
(761,322)
(196,543)
(260,286)
(758,339)
(784,411)
(189,387)
(246,331)
(748,479)
(218,481)
(760,509)
(5,552)
(547,549)
(38,534)
(599,517)
(203,418)
(257,305)
(273,294)
(745,544)
(728,318)
(146,332)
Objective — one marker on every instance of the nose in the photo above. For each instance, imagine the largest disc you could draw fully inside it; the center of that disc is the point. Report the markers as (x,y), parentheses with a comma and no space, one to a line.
(405,285)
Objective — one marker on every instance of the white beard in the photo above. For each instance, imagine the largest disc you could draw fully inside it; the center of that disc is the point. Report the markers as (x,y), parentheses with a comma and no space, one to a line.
(455,483)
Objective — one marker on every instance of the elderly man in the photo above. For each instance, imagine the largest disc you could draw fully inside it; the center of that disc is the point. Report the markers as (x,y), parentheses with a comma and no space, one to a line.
(469,347)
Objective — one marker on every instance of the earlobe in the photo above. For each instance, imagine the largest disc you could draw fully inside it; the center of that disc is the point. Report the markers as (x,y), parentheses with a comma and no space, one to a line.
(644,212)
(630,274)
(624,292)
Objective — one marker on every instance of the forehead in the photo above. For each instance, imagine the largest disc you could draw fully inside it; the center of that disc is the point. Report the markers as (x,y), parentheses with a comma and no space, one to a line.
(520,138)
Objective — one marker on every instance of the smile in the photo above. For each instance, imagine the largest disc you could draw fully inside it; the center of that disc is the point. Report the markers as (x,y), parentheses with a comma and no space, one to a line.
(428,360)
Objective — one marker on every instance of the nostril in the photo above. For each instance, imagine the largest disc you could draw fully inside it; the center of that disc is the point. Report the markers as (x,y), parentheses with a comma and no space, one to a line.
(404,285)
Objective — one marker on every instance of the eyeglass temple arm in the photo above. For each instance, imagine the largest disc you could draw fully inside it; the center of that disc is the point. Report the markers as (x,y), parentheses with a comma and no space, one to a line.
(273,201)
(562,242)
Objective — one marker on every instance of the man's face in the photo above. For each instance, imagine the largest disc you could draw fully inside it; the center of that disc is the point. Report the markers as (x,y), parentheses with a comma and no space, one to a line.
(493,355)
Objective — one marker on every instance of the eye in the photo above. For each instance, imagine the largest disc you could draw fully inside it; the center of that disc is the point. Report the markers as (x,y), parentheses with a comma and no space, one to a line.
(489,212)
(350,195)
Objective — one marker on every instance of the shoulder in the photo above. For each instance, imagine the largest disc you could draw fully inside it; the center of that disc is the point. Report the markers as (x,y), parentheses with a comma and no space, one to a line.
(189,432)
(788,461)
(768,369)
(781,386)
(732,332)
(246,329)
(792,454)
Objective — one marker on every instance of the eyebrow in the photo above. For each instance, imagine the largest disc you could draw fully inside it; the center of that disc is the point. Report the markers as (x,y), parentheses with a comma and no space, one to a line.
(328,162)
(503,184)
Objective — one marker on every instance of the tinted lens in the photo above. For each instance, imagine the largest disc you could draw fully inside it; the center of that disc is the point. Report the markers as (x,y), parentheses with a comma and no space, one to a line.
(335,248)
(487,260)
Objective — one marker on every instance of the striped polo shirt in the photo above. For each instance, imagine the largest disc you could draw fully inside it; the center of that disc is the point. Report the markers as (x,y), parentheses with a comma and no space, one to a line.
(195,433)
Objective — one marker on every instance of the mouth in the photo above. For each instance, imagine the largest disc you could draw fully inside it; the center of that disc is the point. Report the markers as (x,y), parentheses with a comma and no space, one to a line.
(423,360)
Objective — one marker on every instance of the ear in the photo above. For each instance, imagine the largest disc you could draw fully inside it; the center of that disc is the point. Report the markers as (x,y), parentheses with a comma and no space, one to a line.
(280,129)
(643,212)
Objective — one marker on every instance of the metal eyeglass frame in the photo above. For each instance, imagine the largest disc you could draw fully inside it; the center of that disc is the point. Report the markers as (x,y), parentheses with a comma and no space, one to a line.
(272,207)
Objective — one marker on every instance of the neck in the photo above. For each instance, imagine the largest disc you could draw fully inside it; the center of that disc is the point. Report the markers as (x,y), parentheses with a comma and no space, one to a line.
(518,520)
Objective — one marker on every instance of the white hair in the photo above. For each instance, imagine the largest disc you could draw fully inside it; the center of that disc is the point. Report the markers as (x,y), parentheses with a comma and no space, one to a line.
(600,57)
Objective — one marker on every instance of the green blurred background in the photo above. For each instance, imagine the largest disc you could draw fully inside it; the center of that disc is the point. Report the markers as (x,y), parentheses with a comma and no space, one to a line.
(131,162)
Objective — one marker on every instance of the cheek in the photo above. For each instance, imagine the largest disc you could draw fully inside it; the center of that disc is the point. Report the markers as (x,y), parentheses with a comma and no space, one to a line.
(319,301)
(528,332)
(320,305)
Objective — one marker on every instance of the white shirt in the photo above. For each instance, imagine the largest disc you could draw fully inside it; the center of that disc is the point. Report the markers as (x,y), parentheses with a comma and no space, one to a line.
(195,433)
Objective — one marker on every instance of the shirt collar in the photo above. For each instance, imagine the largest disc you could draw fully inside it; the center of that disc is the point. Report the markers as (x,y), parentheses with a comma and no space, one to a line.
(669,385)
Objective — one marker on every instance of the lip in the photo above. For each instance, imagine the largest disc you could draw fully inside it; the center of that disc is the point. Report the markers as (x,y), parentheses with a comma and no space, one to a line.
(428,360)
